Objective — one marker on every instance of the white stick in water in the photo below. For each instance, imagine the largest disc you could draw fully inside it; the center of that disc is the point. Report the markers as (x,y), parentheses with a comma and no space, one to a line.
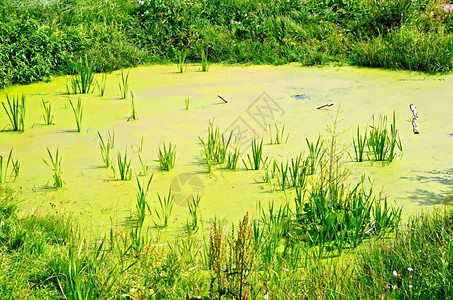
(415,118)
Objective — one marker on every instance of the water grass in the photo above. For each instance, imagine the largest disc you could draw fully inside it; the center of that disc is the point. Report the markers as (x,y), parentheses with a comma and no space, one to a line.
(233,156)
(8,168)
(256,160)
(105,147)
(215,148)
(78,113)
(165,209)
(133,110)
(181,64)
(167,157)
(83,80)
(47,115)
(141,207)
(15,109)
(54,164)
(204,60)
(382,142)
(101,85)
(278,136)
(124,166)
(124,85)
(144,168)
(194,211)
(359,145)
(315,154)
(187,103)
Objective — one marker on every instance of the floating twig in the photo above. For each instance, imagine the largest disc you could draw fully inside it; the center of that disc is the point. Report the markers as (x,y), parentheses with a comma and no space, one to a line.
(325,105)
(415,118)
(224,100)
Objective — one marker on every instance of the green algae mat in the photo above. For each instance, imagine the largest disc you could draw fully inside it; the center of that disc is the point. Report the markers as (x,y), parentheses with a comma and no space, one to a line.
(245,101)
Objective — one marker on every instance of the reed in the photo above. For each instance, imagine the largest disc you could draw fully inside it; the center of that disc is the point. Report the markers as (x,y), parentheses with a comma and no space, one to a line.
(124,166)
(194,206)
(105,147)
(83,80)
(124,85)
(359,145)
(181,64)
(284,176)
(141,206)
(233,156)
(215,148)
(15,109)
(5,164)
(144,168)
(101,85)
(278,136)
(315,154)
(78,113)
(133,111)
(394,140)
(167,157)
(165,210)
(255,161)
(204,60)
(55,165)
(47,115)
(377,141)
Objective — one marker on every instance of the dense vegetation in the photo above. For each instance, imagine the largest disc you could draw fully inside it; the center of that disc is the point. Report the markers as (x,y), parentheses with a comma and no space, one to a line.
(39,38)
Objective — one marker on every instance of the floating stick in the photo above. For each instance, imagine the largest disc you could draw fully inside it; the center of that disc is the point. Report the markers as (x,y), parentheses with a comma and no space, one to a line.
(325,105)
(224,100)
(415,118)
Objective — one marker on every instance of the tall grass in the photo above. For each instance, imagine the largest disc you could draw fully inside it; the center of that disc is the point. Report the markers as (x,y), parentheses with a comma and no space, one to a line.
(15,109)
(101,85)
(5,164)
(124,166)
(215,148)
(163,214)
(167,157)
(83,80)
(382,142)
(181,64)
(78,113)
(204,60)
(47,115)
(359,145)
(315,154)
(124,85)
(279,135)
(194,213)
(106,146)
(255,161)
(141,207)
(54,164)
(233,156)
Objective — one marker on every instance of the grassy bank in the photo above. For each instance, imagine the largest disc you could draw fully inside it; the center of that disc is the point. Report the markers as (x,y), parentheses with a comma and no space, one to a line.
(40,39)
(47,258)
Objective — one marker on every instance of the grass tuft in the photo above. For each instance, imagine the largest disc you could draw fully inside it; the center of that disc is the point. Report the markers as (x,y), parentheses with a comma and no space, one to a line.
(55,165)
(167,157)
(78,113)
(15,109)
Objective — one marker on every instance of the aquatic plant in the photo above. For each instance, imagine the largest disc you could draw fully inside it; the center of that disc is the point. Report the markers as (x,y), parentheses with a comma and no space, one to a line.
(279,135)
(283,177)
(167,157)
(141,206)
(83,80)
(359,145)
(16,112)
(187,102)
(55,165)
(78,113)
(233,156)
(204,60)
(165,209)
(47,115)
(124,85)
(193,205)
(315,154)
(4,168)
(381,142)
(101,85)
(181,64)
(215,148)
(140,147)
(124,166)
(145,168)
(106,147)
(133,111)
(257,155)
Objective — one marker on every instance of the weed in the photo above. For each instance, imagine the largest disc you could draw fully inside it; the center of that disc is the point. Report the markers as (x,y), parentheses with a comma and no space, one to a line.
(141,207)
(164,213)
(78,113)
(359,145)
(133,111)
(215,148)
(16,112)
(47,115)
(257,155)
(167,157)
(194,205)
(279,135)
(124,166)
(181,64)
(315,154)
(233,156)
(101,86)
(124,85)
(382,143)
(15,166)
(106,147)
(55,165)
(83,81)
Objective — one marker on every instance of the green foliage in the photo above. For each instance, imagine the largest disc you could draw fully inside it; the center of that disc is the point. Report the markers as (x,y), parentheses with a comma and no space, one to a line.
(83,80)
(15,109)
(382,141)
(359,145)
(204,61)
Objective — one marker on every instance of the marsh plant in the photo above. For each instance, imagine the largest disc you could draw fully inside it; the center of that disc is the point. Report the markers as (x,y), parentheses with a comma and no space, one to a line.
(101,84)
(141,207)
(106,146)
(83,80)
(144,168)
(204,60)
(124,85)
(383,142)
(278,135)
(167,157)
(54,164)
(181,64)
(8,168)
(315,154)
(47,115)
(233,156)
(15,109)
(124,166)
(359,145)
(256,160)
(194,213)
(133,111)
(163,214)
(78,113)
(215,148)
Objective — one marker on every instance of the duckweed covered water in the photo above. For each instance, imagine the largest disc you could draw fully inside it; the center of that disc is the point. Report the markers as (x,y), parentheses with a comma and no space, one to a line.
(257,96)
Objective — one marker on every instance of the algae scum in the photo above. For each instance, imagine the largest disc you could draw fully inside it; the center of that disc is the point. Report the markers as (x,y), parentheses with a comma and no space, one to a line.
(177,108)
